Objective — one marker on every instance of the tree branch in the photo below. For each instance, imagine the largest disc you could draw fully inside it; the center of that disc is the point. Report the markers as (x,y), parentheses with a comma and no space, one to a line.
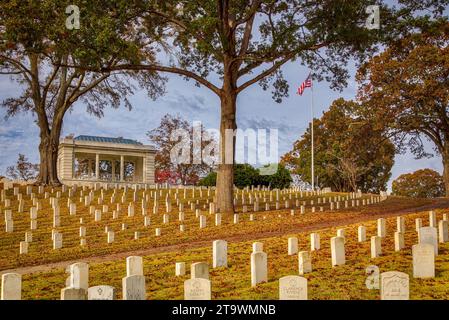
(49,82)
(11,72)
(265,73)
(173,70)
(76,89)
(276,65)
(248,28)
(251,13)
(92,85)
(169,18)
(18,64)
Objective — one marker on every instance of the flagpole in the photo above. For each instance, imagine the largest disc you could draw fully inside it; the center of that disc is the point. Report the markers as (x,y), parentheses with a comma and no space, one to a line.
(312,145)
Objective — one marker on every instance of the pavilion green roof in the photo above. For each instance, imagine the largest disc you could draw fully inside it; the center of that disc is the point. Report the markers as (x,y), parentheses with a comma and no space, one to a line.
(118,140)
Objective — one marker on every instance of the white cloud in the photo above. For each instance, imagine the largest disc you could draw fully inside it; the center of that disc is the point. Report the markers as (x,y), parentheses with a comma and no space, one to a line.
(255,108)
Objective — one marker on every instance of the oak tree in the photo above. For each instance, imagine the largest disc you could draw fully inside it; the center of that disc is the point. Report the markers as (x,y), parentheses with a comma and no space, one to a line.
(229,45)
(406,91)
(349,154)
(179,150)
(424,183)
(38,49)
(23,169)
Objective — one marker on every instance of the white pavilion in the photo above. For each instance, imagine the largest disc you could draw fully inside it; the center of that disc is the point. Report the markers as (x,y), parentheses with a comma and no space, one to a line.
(89,159)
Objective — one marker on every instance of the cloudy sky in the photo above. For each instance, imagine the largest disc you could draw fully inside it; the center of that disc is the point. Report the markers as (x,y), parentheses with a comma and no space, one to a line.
(256,110)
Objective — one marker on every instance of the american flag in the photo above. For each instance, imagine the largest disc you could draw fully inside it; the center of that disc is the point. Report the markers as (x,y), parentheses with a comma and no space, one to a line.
(306,84)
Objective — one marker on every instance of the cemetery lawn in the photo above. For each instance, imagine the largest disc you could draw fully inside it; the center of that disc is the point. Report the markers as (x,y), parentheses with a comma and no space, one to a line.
(267,223)
(234,282)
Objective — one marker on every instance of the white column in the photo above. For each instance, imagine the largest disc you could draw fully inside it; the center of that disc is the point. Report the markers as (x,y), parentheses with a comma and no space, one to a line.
(113,169)
(144,169)
(89,168)
(58,165)
(149,170)
(122,168)
(73,164)
(97,166)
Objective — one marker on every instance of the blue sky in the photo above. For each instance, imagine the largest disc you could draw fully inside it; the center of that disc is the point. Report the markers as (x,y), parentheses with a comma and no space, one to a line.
(255,109)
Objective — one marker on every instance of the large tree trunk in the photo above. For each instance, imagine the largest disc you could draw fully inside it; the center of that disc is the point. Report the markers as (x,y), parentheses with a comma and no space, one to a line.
(49,136)
(48,150)
(225,175)
(445,157)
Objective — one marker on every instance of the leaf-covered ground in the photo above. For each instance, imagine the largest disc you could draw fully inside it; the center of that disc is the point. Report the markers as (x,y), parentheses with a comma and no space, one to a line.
(194,245)
(325,282)
(266,222)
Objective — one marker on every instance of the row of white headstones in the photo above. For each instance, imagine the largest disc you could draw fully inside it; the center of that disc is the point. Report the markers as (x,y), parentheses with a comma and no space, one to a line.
(57,237)
(254,199)
(54,202)
(177,191)
(86,195)
(156,194)
(393,284)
